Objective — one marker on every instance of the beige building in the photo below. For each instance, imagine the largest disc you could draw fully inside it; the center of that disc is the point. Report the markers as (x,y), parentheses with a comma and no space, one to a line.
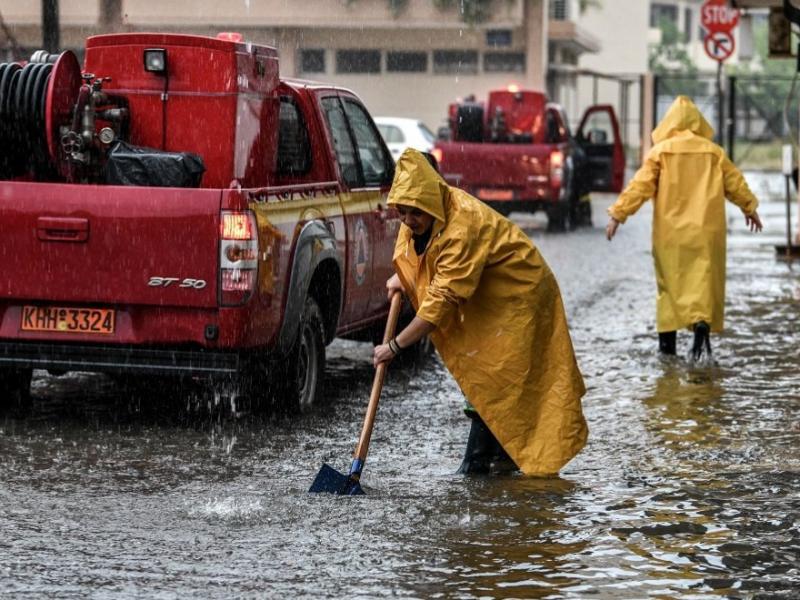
(409,62)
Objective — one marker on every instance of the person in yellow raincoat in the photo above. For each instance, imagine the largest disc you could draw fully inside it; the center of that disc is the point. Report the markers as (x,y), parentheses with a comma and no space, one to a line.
(493,309)
(688,177)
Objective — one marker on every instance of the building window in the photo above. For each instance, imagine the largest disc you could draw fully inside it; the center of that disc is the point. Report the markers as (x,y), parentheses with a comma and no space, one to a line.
(358,61)
(498,38)
(504,62)
(559,10)
(663,12)
(455,62)
(312,61)
(407,62)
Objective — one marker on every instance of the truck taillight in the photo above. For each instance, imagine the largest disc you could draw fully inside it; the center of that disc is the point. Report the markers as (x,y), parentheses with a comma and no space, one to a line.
(238,257)
(438,155)
(556,168)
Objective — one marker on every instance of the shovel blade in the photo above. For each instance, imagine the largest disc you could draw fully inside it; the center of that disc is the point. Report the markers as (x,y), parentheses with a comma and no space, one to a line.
(330,481)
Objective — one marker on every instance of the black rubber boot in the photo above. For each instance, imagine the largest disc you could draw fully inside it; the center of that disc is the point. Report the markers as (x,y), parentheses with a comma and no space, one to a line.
(702,340)
(667,341)
(483,450)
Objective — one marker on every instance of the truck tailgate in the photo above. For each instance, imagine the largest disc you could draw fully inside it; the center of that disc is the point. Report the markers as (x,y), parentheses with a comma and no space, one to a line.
(104,244)
(495,165)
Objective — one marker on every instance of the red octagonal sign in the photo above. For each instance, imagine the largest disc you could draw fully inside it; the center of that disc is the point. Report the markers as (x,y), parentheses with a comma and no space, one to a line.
(716,15)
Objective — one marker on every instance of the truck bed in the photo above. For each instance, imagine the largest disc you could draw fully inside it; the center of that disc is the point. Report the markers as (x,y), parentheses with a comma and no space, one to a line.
(500,172)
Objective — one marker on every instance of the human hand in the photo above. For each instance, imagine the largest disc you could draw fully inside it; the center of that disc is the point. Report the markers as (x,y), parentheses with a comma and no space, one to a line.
(753,221)
(393,285)
(382,354)
(611,228)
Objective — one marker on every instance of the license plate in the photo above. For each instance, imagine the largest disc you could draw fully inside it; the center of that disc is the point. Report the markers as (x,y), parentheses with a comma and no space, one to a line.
(62,319)
(491,194)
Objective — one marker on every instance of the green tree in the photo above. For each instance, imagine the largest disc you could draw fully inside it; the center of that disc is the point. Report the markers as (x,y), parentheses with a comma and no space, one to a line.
(764,83)
(672,62)
(472,12)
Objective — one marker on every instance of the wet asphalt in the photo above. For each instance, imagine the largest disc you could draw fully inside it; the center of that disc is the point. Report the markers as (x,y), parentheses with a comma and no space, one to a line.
(689,486)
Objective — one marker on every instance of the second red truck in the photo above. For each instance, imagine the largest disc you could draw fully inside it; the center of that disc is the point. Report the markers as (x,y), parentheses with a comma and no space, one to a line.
(516,152)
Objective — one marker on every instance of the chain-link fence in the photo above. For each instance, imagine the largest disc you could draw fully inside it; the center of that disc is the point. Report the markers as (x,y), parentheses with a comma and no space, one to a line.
(753,116)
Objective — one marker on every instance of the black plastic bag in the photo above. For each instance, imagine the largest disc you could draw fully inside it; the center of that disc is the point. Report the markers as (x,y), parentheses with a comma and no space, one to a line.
(136,165)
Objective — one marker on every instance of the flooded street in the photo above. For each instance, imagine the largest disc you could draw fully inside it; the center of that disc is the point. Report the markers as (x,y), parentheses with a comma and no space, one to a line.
(688,488)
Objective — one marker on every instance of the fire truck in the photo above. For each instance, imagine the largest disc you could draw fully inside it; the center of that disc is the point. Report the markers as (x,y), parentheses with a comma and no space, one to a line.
(172,207)
(515,151)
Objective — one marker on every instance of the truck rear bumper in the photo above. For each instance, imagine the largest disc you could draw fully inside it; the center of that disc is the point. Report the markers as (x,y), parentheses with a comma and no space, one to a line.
(116,359)
(505,207)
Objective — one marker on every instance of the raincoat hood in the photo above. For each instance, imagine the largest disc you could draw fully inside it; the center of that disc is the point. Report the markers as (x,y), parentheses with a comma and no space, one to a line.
(416,183)
(682,116)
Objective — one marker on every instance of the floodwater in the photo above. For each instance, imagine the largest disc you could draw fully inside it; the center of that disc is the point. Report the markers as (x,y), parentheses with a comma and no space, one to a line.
(689,486)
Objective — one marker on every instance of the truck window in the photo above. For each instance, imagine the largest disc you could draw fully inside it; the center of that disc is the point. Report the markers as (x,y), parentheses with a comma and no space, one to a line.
(598,129)
(342,144)
(376,164)
(555,126)
(294,156)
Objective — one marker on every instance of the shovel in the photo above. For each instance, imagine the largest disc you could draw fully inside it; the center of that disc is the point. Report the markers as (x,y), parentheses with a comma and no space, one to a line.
(329,479)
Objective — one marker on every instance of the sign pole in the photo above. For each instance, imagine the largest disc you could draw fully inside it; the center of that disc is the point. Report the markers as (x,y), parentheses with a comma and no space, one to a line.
(720,107)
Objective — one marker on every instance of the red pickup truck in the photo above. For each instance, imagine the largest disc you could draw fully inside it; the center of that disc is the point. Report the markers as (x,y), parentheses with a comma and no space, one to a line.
(175,208)
(516,152)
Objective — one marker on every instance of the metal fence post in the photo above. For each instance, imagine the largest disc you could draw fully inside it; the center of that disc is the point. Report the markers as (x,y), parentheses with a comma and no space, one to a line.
(50,26)
(731,115)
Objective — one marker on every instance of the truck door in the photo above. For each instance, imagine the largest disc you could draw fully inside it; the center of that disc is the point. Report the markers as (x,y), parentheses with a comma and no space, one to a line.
(598,135)
(360,207)
(377,169)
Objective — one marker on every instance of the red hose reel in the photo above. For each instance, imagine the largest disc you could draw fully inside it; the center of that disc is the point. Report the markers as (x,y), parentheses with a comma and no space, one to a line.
(49,116)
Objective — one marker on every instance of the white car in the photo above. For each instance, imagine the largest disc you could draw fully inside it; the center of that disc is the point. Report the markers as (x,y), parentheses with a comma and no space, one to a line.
(400,133)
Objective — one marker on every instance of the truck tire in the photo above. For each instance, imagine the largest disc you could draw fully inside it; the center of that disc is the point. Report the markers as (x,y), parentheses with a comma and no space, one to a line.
(15,392)
(557,217)
(301,374)
(581,214)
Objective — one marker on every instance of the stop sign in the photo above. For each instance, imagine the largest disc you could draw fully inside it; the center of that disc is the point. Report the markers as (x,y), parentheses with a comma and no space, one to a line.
(716,15)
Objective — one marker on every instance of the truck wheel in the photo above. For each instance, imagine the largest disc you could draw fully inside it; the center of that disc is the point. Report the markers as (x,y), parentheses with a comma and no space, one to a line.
(304,367)
(15,392)
(557,215)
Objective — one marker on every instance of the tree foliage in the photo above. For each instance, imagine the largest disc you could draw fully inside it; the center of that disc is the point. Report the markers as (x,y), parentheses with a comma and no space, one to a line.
(765,83)
(670,60)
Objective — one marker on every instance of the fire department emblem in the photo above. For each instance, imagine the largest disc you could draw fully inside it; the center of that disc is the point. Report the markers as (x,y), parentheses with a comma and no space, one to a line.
(362,252)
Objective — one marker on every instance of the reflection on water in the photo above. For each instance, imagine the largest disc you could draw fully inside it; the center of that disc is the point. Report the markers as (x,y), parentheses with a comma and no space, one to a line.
(688,487)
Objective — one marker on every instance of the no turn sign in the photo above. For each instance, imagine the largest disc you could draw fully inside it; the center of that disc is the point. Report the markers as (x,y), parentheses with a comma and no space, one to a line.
(719,45)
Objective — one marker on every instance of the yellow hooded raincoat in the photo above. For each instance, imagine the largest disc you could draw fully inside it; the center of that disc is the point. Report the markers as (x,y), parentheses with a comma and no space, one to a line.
(500,323)
(688,176)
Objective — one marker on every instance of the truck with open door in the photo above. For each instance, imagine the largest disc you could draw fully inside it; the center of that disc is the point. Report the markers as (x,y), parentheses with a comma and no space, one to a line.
(516,152)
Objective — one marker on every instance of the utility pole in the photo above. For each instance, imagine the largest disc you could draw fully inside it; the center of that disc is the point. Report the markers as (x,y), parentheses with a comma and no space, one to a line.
(110,15)
(50,26)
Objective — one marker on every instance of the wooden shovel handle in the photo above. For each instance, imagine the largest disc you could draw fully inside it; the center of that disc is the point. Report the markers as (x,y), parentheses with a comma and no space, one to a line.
(377,382)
